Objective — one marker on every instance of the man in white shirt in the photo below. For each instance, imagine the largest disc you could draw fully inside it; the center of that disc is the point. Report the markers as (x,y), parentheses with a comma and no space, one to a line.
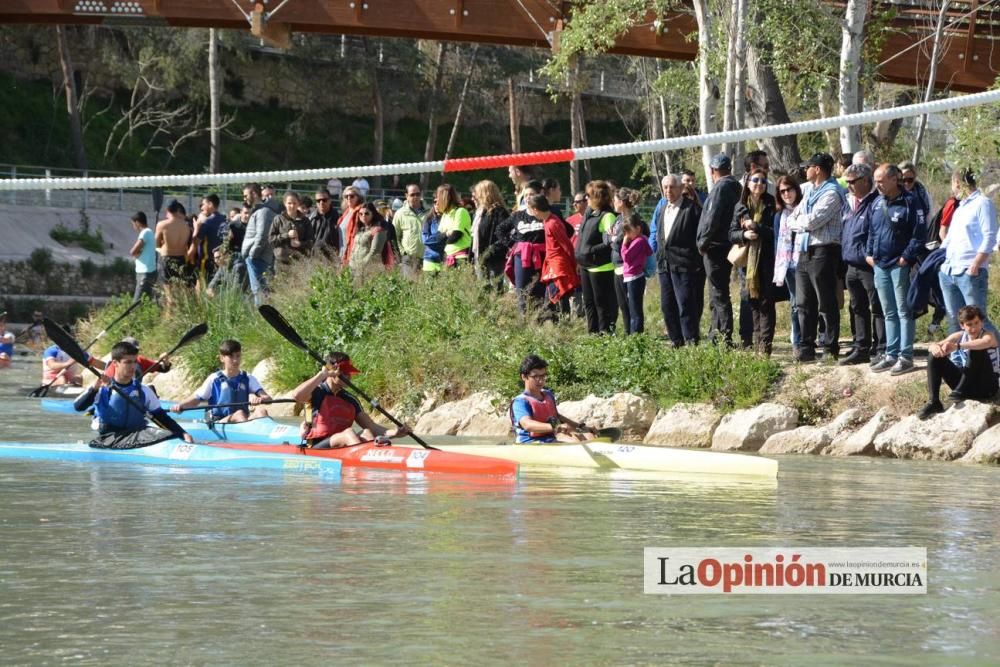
(361,183)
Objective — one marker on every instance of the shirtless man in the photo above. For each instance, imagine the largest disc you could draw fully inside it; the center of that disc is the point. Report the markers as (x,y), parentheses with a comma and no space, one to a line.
(173,236)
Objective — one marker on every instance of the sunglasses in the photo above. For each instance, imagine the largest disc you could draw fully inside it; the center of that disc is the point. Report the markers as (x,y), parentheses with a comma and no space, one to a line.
(758,181)
(786,190)
(908,180)
(412,194)
(365,212)
(322,200)
(852,181)
(579,201)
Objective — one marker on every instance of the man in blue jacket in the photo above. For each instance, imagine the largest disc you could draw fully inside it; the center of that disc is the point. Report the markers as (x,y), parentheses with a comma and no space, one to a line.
(865,308)
(713,244)
(898,232)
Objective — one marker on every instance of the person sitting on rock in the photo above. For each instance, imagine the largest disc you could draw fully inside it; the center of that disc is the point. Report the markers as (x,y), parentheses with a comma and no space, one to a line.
(334,411)
(533,413)
(231,387)
(977,377)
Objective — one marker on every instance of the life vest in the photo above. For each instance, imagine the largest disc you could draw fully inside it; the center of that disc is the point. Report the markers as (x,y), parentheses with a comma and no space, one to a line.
(542,410)
(228,390)
(331,413)
(115,413)
(7,344)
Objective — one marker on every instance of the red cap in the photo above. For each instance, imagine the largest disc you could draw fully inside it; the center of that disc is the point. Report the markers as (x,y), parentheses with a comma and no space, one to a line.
(347,368)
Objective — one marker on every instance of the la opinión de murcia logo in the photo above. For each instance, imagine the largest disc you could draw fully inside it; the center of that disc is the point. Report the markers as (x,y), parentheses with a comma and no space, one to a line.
(785,570)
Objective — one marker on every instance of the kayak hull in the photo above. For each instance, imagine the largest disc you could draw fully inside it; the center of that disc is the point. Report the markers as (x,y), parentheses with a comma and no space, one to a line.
(409,459)
(629,457)
(175,453)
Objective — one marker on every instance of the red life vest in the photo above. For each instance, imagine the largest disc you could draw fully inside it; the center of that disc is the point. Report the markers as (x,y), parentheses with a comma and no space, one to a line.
(335,413)
(542,410)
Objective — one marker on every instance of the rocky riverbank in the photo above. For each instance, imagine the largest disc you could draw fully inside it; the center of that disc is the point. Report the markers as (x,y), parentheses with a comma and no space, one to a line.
(867,417)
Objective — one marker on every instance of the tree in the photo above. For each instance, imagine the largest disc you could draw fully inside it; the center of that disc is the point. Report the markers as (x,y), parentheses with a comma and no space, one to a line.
(72,102)
(215,159)
(461,102)
(849,93)
(432,109)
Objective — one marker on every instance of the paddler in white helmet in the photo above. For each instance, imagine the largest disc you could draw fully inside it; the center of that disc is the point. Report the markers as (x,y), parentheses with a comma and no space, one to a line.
(334,411)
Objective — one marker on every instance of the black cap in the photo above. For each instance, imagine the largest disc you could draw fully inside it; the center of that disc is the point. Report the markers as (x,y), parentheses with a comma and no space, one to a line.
(822,160)
(721,161)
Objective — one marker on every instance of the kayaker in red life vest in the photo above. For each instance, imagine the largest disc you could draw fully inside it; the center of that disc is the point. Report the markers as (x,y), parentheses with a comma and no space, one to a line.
(334,411)
(534,414)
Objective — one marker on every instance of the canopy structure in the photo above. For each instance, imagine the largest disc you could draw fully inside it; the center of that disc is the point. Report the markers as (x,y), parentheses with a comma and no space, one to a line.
(969,60)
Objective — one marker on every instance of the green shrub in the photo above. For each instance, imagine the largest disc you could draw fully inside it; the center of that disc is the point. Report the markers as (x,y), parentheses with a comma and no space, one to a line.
(41,261)
(87,269)
(82,237)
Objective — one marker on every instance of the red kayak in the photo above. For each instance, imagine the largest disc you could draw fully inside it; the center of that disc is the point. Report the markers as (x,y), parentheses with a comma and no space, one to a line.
(389,457)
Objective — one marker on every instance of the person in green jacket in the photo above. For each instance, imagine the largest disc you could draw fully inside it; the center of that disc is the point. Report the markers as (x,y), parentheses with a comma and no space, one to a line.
(455,225)
(408,221)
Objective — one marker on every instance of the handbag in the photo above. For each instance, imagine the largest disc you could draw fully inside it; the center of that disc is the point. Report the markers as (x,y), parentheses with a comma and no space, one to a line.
(738,255)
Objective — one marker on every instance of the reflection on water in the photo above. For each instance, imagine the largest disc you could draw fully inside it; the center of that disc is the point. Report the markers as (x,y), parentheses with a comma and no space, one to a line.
(131,564)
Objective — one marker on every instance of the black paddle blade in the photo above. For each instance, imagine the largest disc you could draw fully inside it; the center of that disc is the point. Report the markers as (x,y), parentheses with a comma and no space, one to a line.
(287,331)
(68,344)
(40,392)
(194,334)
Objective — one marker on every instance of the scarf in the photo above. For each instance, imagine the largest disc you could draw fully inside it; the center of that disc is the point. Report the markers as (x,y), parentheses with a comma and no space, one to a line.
(753,252)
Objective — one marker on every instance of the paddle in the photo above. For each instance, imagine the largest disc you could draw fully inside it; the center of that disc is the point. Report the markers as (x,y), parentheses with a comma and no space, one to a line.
(281,325)
(43,390)
(193,334)
(68,345)
(237,405)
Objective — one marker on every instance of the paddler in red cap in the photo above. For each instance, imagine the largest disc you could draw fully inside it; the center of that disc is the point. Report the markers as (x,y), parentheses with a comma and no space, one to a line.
(334,411)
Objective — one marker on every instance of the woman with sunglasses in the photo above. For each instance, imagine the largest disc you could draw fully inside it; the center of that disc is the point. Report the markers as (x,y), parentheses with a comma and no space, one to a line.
(752,226)
(787,251)
(348,223)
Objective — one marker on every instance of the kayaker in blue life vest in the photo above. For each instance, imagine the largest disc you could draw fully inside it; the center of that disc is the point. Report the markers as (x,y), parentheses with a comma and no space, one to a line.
(229,385)
(334,411)
(121,424)
(533,413)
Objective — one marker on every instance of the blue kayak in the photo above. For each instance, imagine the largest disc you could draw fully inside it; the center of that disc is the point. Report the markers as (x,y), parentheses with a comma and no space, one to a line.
(177,453)
(64,406)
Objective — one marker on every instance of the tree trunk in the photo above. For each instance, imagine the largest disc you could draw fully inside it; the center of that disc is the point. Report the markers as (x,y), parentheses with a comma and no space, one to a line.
(883,134)
(214,160)
(938,31)
(826,110)
(728,110)
(852,34)
(706,98)
(740,84)
(515,123)
(664,124)
(581,123)
(72,101)
(574,130)
(432,128)
(653,124)
(767,107)
(378,112)
(461,102)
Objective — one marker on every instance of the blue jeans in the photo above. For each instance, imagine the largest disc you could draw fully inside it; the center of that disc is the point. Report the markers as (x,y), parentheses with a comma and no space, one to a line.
(790,284)
(963,290)
(635,290)
(892,286)
(257,272)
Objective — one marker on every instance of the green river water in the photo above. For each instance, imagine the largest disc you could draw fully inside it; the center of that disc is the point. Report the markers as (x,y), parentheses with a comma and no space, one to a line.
(125,564)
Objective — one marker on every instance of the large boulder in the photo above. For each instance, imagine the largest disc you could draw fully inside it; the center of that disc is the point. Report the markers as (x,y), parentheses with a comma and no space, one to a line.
(946,436)
(684,425)
(985,448)
(461,417)
(264,372)
(747,430)
(862,441)
(801,440)
(173,386)
(629,412)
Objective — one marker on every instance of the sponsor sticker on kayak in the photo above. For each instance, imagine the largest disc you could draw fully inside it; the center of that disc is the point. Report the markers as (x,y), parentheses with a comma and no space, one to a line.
(794,570)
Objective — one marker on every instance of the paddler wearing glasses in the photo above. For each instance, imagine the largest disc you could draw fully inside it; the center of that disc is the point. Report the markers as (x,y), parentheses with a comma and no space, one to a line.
(121,422)
(533,413)
(334,411)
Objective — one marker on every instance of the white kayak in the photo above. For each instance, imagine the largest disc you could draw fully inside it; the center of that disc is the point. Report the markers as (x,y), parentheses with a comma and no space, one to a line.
(628,457)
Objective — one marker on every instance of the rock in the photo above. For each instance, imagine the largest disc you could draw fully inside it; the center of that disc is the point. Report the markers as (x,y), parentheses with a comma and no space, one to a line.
(748,429)
(460,417)
(946,436)
(802,440)
(629,412)
(684,425)
(985,448)
(175,385)
(862,441)
(487,424)
(844,422)
(263,371)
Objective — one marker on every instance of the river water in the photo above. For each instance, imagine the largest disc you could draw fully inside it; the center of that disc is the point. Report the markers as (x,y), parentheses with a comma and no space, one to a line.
(124,564)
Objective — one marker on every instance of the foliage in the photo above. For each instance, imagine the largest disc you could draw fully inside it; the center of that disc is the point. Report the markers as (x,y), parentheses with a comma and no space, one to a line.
(976,133)
(82,237)
(447,335)
(41,261)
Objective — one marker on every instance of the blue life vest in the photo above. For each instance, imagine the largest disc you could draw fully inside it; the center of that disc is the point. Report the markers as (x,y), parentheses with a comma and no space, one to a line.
(117,414)
(433,247)
(7,348)
(229,390)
